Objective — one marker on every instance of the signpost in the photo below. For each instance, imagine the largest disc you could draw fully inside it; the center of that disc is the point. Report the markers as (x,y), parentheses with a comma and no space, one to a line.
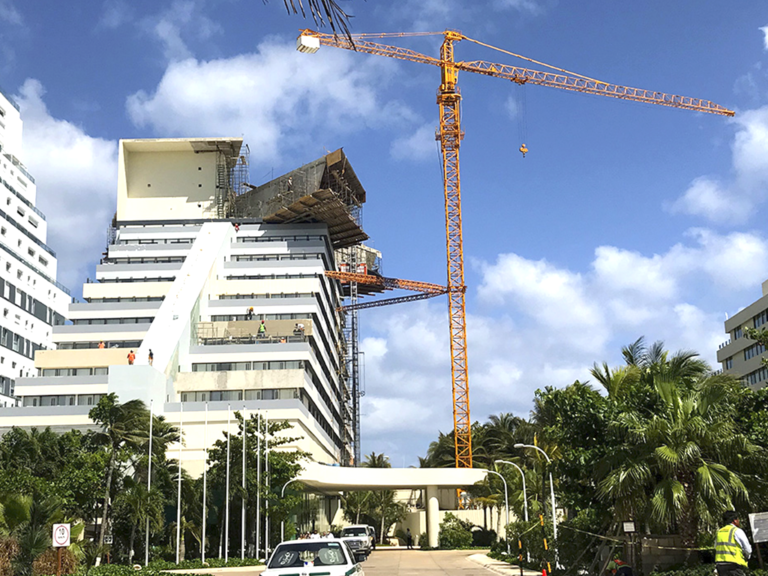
(60,540)
(759,524)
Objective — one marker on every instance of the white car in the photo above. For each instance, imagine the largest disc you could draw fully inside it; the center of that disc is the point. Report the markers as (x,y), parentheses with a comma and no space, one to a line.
(329,557)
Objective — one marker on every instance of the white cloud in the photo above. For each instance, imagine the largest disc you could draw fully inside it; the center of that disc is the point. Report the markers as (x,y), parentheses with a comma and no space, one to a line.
(278,98)
(530,6)
(512,108)
(764,30)
(734,201)
(114,14)
(9,13)
(75,175)
(418,146)
(183,19)
(540,324)
(432,15)
(552,297)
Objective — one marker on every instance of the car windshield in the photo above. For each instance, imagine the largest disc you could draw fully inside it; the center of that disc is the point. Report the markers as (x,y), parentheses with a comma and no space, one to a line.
(354,532)
(308,553)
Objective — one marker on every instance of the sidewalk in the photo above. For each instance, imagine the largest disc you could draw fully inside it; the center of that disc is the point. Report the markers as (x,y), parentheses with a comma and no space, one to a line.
(500,567)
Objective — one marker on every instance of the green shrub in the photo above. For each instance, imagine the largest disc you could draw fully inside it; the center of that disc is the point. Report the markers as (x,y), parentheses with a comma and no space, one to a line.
(455,533)
(700,570)
(483,538)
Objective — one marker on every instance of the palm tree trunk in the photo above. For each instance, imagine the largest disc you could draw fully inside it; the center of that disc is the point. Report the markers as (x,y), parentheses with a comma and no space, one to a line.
(132,541)
(182,546)
(107,490)
(381,538)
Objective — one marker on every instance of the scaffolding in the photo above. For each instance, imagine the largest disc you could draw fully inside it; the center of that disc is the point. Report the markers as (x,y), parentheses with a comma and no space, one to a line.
(232,174)
(324,191)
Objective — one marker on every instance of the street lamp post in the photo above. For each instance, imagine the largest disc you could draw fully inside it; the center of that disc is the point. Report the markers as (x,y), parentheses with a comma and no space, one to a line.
(551,486)
(282,522)
(506,505)
(525,496)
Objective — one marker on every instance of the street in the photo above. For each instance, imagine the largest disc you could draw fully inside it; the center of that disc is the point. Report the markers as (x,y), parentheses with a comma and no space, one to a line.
(413,562)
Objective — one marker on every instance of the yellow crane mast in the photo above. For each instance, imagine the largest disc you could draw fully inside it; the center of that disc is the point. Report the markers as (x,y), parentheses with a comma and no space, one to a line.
(449,135)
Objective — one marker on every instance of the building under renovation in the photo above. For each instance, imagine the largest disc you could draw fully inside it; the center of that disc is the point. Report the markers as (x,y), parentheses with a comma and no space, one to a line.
(223,283)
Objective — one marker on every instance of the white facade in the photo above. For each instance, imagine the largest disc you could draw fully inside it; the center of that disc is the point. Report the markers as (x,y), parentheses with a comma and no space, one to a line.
(181,284)
(31,301)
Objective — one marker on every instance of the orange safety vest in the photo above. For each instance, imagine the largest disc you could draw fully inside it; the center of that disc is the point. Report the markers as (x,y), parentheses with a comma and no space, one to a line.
(131,357)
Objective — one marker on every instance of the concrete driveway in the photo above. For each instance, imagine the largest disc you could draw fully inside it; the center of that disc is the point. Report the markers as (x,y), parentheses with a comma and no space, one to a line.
(416,562)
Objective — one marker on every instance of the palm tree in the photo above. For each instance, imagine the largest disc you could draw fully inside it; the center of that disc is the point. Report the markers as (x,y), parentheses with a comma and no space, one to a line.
(679,456)
(374,460)
(33,533)
(121,426)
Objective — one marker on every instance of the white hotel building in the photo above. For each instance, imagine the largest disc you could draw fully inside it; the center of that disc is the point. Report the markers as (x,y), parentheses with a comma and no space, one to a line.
(188,259)
(32,303)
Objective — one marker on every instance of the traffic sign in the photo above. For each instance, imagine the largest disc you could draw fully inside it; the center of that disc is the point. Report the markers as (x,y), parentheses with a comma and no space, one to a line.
(60,535)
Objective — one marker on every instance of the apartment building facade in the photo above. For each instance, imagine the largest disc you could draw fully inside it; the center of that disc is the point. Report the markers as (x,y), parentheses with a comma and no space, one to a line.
(740,355)
(32,302)
(236,312)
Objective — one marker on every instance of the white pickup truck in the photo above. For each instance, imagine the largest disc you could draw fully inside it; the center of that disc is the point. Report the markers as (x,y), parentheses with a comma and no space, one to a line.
(359,538)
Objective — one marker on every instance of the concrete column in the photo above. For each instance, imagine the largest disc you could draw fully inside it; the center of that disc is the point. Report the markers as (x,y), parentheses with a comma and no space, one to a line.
(433,516)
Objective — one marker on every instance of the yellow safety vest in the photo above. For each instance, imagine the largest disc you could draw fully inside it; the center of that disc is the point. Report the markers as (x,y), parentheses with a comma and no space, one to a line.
(726,547)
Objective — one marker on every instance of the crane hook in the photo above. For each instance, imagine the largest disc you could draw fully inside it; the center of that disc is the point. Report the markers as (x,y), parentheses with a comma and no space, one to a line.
(523,150)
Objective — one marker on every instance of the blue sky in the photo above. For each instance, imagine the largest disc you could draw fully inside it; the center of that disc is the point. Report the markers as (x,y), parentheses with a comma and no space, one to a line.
(623,220)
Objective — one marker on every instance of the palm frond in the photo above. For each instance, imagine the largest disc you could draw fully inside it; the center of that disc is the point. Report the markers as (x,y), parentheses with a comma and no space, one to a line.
(324,12)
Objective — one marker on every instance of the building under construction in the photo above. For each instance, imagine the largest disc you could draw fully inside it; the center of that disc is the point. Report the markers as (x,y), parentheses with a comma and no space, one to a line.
(224,286)
(326,191)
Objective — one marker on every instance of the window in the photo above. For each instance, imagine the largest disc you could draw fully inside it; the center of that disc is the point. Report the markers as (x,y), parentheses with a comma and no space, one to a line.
(754,350)
(20,212)
(737,334)
(729,363)
(33,222)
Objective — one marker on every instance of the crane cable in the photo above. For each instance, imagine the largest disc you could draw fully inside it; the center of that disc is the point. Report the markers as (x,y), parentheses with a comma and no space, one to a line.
(534,61)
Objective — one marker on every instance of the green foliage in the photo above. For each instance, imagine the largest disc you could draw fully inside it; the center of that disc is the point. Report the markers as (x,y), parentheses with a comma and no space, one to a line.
(423,541)
(665,443)
(47,477)
(455,533)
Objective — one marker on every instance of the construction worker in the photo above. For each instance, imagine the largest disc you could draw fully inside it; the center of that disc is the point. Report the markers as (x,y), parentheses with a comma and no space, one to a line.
(151,357)
(262,329)
(131,357)
(101,345)
(732,548)
(249,314)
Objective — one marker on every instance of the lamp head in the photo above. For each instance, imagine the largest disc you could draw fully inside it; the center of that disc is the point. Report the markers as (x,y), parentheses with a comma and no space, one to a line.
(519,445)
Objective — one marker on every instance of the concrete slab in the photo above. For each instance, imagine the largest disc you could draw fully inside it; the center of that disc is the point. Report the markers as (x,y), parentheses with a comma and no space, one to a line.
(337,478)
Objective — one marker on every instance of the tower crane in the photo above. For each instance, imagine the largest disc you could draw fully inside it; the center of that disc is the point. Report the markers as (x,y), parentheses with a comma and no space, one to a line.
(449,135)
